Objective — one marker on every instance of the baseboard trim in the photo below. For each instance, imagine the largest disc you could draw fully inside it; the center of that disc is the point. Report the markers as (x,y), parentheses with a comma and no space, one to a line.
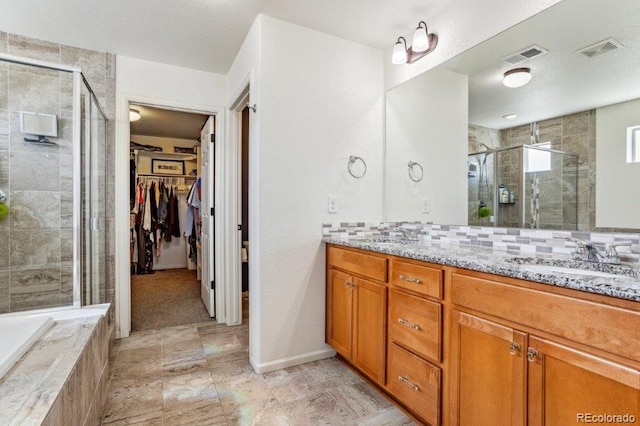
(281,363)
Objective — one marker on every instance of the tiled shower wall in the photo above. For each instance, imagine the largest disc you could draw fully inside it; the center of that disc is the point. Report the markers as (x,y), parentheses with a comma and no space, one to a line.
(573,134)
(37,253)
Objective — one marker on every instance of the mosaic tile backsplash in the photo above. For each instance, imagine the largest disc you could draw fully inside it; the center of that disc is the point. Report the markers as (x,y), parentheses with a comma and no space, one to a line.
(511,240)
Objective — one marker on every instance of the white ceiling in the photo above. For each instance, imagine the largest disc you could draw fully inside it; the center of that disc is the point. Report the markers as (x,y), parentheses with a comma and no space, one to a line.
(563,82)
(205,34)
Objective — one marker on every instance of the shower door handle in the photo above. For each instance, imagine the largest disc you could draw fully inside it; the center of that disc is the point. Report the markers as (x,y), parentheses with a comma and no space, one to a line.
(95,223)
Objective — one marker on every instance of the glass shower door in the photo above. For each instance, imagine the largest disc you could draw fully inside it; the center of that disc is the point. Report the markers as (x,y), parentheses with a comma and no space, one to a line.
(93,155)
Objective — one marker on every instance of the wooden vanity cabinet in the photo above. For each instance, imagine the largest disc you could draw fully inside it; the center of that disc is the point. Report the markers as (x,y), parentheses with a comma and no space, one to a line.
(356,310)
(564,383)
(414,348)
(506,374)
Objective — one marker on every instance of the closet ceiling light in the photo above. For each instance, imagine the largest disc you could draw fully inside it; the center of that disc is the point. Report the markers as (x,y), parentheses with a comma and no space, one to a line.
(516,77)
(134,114)
(510,116)
(423,44)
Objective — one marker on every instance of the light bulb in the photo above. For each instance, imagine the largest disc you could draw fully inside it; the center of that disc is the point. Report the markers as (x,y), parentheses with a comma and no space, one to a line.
(134,114)
(420,38)
(399,52)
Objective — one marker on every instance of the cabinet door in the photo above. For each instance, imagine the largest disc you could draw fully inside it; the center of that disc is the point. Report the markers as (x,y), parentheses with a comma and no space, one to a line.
(370,305)
(566,386)
(340,312)
(488,373)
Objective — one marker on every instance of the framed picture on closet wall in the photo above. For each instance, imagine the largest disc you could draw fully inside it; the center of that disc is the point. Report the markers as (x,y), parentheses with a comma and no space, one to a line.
(167,167)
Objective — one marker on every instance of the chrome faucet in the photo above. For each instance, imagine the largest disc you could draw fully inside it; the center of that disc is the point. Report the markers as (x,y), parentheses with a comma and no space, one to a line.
(611,254)
(587,251)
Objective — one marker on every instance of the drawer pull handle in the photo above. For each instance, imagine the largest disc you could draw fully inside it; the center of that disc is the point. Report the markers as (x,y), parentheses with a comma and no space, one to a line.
(514,348)
(409,324)
(408,383)
(410,279)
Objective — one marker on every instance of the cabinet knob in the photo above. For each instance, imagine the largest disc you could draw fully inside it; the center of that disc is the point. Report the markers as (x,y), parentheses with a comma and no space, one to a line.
(514,348)
(410,279)
(408,383)
(349,284)
(409,324)
(532,354)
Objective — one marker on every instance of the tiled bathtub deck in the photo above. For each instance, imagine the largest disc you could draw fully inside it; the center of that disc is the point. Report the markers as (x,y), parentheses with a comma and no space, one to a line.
(200,374)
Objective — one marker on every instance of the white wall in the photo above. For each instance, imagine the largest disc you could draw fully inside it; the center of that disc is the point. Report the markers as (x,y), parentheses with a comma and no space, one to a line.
(316,107)
(137,77)
(163,85)
(617,195)
(427,121)
(460,26)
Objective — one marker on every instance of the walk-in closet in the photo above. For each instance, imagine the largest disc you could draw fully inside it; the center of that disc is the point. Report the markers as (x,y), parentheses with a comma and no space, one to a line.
(166,217)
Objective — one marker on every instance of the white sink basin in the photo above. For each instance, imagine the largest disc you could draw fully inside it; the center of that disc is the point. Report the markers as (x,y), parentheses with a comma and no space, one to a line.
(549,269)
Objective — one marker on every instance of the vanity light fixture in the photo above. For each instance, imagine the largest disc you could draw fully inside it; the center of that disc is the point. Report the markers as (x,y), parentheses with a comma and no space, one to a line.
(134,114)
(423,44)
(516,77)
(510,116)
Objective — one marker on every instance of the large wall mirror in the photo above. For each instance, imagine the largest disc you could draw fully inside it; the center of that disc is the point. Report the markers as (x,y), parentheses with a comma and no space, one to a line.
(559,152)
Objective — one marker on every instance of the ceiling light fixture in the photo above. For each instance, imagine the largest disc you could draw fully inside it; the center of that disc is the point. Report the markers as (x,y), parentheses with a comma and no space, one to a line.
(423,44)
(510,116)
(134,114)
(516,77)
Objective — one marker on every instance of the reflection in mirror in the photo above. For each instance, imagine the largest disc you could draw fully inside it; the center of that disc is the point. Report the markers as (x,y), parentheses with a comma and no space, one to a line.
(583,57)
(426,120)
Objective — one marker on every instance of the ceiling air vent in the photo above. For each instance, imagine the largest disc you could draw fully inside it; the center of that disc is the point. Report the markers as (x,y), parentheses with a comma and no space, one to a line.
(524,54)
(600,48)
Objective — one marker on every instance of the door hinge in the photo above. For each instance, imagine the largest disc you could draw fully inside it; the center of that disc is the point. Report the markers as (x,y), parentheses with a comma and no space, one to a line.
(213,285)
(212,210)
(213,137)
(239,227)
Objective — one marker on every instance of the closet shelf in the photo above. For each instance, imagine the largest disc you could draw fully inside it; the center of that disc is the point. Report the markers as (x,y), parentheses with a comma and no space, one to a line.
(168,175)
(166,155)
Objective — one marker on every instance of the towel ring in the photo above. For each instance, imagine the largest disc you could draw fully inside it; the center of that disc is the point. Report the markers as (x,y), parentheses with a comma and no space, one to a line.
(352,160)
(411,165)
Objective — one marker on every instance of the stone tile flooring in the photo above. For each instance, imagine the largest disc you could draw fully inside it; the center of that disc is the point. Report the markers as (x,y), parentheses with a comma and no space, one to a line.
(200,374)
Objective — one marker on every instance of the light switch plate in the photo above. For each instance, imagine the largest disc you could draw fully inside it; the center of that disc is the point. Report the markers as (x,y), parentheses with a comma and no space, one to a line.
(333,204)
(425,205)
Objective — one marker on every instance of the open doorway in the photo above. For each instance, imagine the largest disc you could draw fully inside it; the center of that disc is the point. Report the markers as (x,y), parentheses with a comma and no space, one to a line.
(244,177)
(170,194)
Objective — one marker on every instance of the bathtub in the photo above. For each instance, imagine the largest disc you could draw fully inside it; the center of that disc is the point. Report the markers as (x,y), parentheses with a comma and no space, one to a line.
(19,331)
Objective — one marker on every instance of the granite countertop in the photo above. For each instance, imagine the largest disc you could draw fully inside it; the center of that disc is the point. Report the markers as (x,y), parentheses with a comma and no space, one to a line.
(542,268)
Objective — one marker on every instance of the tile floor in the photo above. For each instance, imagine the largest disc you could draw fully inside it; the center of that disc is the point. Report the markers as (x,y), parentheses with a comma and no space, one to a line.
(200,374)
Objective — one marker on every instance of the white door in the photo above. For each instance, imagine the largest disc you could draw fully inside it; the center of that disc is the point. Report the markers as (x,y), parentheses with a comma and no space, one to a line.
(207,238)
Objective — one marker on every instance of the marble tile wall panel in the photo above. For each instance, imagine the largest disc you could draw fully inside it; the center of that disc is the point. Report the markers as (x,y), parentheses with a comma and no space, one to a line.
(3,42)
(33,48)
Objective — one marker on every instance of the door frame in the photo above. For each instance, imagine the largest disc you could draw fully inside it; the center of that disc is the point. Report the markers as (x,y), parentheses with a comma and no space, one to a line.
(121,200)
(233,212)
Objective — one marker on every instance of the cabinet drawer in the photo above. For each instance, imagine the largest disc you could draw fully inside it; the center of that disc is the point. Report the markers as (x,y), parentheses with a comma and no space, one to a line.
(415,323)
(359,263)
(421,279)
(609,328)
(415,382)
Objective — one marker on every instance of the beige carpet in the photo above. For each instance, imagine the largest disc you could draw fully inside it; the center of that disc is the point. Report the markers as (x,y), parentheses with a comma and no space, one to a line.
(166,298)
